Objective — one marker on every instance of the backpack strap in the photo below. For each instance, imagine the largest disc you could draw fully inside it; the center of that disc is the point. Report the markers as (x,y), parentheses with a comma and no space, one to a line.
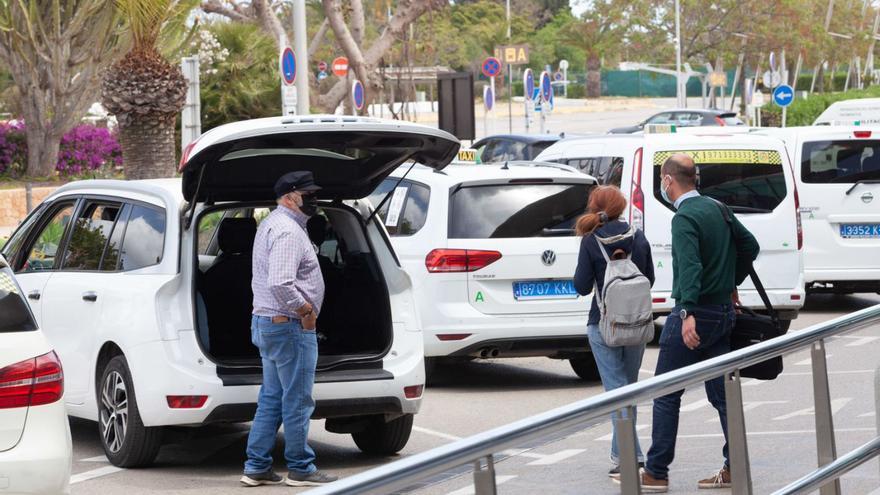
(607,241)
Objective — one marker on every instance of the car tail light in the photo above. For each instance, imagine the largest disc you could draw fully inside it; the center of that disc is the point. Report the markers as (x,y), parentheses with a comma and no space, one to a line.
(658,300)
(32,382)
(797,214)
(459,260)
(720,121)
(795,297)
(637,197)
(184,157)
(862,134)
(452,336)
(186,401)
(413,391)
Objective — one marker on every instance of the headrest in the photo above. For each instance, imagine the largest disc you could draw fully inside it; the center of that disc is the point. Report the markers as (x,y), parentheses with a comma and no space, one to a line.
(236,235)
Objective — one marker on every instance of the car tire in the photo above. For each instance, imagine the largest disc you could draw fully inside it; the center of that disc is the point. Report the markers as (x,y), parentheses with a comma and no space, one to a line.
(118,415)
(382,438)
(784,325)
(585,366)
(431,364)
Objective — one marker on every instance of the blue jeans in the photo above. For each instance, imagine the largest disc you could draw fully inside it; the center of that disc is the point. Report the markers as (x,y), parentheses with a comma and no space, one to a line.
(713,323)
(618,366)
(289,355)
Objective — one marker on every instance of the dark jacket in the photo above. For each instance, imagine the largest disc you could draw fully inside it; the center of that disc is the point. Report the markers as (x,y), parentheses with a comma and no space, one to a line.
(591,264)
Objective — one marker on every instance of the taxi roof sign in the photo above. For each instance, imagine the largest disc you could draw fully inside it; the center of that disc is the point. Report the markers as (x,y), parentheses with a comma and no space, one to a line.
(659,129)
(467,156)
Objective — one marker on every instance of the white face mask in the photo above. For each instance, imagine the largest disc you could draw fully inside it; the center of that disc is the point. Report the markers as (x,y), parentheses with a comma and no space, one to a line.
(664,192)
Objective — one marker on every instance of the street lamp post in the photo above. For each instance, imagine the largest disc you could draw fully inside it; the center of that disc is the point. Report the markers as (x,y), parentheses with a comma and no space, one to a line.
(302,51)
(509,80)
(678,91)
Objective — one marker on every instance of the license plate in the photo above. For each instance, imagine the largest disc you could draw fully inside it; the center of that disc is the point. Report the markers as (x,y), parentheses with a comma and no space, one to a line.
(860,231)
(544,289)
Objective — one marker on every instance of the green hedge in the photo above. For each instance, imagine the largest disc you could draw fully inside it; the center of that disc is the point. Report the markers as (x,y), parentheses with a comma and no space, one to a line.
(805,111)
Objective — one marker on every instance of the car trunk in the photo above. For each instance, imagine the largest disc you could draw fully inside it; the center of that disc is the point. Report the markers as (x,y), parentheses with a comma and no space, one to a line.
(529,223)
(236,166)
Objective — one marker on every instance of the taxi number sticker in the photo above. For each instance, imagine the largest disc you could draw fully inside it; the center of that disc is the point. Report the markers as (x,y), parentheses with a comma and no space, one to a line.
(752,157)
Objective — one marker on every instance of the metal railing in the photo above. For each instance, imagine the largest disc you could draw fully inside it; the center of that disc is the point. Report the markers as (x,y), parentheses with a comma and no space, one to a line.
(478,449)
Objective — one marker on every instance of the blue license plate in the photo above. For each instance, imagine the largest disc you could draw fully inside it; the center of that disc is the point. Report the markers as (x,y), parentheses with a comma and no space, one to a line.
(860,231)
(544,289)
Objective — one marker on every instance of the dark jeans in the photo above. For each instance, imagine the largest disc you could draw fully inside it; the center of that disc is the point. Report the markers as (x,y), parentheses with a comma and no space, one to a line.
(713,327)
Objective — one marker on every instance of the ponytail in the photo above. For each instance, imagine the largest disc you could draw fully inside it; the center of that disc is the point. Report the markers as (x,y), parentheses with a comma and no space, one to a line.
(606,204)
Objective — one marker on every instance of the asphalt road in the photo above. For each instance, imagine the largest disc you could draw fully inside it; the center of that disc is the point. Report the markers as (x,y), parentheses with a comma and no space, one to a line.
(473,397)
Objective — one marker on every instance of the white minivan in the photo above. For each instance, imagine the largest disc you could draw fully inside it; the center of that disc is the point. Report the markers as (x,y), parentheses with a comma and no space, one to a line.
(144,287)
(837,170)
(750,174)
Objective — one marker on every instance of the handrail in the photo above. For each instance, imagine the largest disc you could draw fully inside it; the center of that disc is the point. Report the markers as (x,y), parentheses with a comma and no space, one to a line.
(405,472)
(833,471)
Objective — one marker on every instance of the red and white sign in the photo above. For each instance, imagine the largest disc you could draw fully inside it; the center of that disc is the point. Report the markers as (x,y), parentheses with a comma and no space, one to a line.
(322,66)
(340,66)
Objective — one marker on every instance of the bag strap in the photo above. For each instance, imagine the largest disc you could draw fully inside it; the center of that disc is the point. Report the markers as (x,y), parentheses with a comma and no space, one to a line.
(607,241)
(725,212)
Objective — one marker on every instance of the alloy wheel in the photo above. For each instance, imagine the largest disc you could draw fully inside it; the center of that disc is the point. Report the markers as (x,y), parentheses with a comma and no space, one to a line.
(114,411)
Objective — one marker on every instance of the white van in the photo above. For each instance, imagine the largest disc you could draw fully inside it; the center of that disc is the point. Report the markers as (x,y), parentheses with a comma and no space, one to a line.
(837,170)
(862,111)
(751,174)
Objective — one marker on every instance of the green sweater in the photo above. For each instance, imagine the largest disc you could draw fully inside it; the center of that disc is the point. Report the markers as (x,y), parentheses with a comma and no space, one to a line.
(707,264)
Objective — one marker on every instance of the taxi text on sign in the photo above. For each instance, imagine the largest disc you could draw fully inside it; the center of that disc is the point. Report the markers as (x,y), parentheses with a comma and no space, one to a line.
(512,54)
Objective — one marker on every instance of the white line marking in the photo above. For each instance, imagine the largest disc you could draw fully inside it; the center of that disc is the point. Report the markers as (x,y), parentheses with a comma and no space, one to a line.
(858,341)
(750,382)
(554,458)
(469,490)
(748,406)
(810,373)
(100,458)
(693,406)
(607,438)
(773,433)
(836,405)
(868,415)
(521,452)
(809,361)
(438,434)
(94,473)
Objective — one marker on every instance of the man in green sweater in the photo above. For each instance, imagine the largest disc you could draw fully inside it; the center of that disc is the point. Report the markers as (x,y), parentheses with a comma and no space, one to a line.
(708,262)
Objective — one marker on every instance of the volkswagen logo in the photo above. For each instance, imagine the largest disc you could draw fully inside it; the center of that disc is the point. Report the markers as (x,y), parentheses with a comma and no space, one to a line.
(867,198)
(548,257)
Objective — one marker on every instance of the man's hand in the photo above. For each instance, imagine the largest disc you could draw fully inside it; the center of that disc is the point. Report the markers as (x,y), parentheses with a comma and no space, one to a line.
(735,298)
(689,333)
(310,321)
(304,310)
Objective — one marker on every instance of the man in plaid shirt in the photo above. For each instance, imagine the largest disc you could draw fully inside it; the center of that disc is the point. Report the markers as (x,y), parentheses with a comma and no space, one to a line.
(288,291)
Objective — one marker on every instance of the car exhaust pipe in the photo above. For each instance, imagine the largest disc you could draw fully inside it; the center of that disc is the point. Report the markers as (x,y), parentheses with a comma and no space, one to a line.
(484,352)
(494,352)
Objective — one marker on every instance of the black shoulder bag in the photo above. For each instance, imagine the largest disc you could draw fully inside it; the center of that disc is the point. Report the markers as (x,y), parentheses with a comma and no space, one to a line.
(752,328)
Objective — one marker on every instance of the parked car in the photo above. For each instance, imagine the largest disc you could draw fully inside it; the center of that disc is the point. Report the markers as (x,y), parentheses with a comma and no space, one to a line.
(750,174)
(685,117)
(35,444)
(492,251)
(144,287)
(837,171)
(504,147)
(859,111)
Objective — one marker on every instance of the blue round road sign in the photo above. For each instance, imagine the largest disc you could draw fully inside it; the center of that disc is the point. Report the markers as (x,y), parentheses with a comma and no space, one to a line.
(288,66)
(546,86)
(783,95)
(529,84)
(491,67)
(488,98)
(358,96)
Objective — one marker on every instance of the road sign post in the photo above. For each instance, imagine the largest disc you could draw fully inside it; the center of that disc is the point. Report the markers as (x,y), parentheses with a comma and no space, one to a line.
(783,95)
(358,96)
(546,98)
(489,103)
(528,91)
(511,55)
(563,64)
(287,67)
(339,66)
(491,67)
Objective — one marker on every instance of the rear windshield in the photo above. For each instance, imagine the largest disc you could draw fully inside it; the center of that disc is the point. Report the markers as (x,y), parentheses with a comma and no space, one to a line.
(516,210)
(749,181)
(845,161)
(16,314)
(732,120)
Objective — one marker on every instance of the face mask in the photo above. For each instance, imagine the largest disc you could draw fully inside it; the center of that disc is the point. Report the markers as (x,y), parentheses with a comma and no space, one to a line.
(309,205)
(664,194)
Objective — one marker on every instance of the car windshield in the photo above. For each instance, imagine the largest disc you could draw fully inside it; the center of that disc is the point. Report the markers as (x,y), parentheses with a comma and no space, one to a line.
(749,181)
(843,161)
(16,314)
(516,210)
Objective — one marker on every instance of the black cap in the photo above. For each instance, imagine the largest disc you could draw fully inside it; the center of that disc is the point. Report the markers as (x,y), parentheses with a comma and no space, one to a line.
(295,181)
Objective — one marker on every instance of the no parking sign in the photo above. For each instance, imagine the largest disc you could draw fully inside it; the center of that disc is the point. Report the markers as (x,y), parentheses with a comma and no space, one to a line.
(358,96)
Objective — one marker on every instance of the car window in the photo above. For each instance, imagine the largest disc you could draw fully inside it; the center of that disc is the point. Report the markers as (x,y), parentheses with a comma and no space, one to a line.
(608,170)
(42,253)
(749,181)
(515,210)
(90,237)
(535,149)
(844,161)
(406,211)
(661,118)
(489,151)
(686,119)
(13,245)
(16,313)
(144,239)
(512,150)
(733,120)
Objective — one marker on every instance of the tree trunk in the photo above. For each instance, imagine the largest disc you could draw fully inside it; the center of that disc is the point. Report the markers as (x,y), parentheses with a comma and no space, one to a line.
(148,148)
(594,76)
(43,148)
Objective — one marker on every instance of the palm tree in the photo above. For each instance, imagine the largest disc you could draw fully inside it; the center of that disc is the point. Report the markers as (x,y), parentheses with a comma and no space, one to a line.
(146,92)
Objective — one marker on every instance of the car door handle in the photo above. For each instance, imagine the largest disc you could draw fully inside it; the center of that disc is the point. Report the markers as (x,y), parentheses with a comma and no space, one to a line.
(90,296)
(34,294)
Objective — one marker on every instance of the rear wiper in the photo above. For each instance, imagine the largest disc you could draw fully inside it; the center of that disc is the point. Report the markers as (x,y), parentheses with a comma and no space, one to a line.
(748,209)
(863,181)
(557,232)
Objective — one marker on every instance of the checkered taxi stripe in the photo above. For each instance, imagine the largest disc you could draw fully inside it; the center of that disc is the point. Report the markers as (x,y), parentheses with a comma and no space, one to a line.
(7,286)
(746,157)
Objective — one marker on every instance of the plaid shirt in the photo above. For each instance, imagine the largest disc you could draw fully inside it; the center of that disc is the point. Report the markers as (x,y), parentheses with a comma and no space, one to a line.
(286,273)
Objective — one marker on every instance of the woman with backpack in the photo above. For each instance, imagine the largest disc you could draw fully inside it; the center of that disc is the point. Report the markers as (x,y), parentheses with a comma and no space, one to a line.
(620,321)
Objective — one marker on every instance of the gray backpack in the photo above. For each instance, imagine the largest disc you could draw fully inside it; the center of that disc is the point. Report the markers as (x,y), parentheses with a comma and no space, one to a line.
(625,299)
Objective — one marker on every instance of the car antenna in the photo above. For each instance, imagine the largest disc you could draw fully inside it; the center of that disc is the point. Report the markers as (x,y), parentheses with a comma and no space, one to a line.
(506,165)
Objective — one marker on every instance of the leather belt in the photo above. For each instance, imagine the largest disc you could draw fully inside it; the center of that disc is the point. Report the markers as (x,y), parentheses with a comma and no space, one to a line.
(280,319)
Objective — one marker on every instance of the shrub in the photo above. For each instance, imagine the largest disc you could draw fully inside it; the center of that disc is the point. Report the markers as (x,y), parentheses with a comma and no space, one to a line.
(13,148)
(87,148)
(805,111)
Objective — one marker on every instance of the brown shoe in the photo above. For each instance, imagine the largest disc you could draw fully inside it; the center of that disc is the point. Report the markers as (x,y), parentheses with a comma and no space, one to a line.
(721,479)
(651,484)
